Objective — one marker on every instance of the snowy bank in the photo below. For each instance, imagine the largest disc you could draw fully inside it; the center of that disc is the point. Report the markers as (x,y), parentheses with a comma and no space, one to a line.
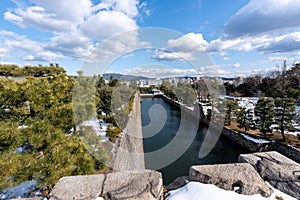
(197,191)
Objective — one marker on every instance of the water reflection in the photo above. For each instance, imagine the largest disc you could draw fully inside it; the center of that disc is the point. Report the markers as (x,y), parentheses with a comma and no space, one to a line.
(225,151)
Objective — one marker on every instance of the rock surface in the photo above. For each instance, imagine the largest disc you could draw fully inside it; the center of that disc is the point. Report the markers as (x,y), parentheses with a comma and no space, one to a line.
(281,172)
(142,185)
(133,185)
(178,183)
(255,146)
(240,177)
(33,198)
(78,187)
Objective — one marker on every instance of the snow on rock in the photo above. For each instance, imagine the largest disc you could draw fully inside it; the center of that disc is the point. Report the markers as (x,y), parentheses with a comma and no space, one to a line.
(255,139)
(198,191)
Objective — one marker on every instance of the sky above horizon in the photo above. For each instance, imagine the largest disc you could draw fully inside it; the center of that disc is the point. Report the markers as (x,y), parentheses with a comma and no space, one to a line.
(238,37)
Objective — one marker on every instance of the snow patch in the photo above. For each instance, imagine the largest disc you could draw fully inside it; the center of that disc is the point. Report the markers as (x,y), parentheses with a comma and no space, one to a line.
(99,127)
(22,127)
(255,139)
(20,191)
(197,191)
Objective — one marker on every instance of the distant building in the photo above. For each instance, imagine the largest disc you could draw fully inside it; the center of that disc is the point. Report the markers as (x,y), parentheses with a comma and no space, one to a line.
(154,82)
(238,81)
(156,92)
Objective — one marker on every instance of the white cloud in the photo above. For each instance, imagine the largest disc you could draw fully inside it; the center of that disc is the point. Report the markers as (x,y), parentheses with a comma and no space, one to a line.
(160,71)
(21,43)
(71,44)
(129,7)
(67,9)
(266,43)
(45,56)
(143,8)
(183,48)
(5,33)
(226,58)
(259,17)
(236,65)
(21,46)
(106,24)
(35,16)
(119,45)
(190,42)
(238,44)
(170,56)
(285,43)
(74,26)
(3,52)
(214,71)
(278,58)
(264,26)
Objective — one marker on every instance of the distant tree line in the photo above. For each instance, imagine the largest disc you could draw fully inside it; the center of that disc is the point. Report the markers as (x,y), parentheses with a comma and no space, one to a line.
(35,71)
(182,92)
(282,83)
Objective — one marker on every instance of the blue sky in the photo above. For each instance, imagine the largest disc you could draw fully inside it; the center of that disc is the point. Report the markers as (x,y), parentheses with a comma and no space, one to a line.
(242,37)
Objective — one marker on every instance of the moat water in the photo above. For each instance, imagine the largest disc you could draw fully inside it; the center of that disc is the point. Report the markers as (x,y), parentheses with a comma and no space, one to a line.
(225,150)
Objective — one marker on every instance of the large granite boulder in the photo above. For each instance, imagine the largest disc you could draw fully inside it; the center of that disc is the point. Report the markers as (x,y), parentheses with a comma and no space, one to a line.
(142,185)
(78,187)
(281,172)
(238,177)
(178,183)
(145,185)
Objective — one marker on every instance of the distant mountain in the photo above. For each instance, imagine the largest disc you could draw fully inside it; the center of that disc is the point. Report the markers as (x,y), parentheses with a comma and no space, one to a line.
(219,77)
(123,76)
(131,77)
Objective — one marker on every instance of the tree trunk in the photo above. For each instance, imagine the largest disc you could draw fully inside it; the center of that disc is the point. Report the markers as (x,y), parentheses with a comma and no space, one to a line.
(282,133)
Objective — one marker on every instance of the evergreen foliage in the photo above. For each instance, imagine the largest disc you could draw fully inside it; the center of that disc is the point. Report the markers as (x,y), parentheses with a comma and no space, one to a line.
(284,114)
(245,118)
(36,114)
(231,108)
(264,112)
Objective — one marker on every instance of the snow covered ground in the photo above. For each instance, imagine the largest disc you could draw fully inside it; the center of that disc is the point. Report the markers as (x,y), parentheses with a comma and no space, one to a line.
(199,191)
(248,102)
(22,190)
(99,127)
(296,123)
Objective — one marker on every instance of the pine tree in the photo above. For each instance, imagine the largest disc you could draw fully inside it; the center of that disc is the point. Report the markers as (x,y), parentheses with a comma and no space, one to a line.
(284,114)
(264,112)
(43,149)
(84,98)
(245,118)
(231,107)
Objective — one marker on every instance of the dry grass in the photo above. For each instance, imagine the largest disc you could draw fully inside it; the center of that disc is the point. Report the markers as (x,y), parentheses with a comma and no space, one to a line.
(290,139)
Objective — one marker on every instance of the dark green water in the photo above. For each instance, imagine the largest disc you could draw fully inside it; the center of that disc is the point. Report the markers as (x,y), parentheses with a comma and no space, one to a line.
(225,151)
